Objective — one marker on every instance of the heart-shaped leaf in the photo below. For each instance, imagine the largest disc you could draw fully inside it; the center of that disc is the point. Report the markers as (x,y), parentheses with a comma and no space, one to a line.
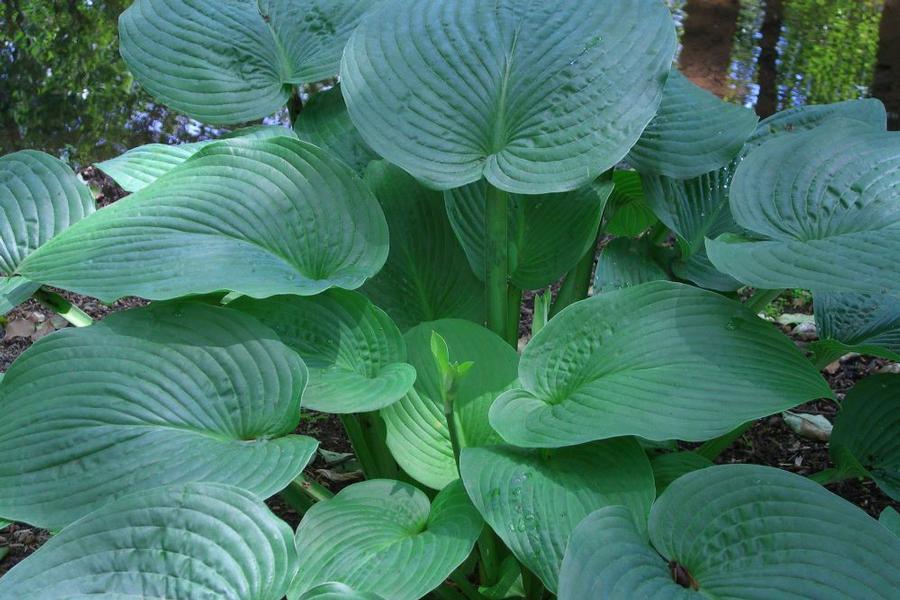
(231,61)
(545,96)
(256,216)
(670,466)
(734,531)
(337,591)
(820,210)
(141,166)
(417,432)
(624,263)
(409,287)
(354,352)
(548,233)
(659,360)
(693,133)
(324,122)
(865,440)
(40,197)
(804,118)
(386,538)
(170,393)
(627,213)
(863,323)
(534,499)
(185,541)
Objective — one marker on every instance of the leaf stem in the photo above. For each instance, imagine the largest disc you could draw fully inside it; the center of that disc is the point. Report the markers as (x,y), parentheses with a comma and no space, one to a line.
(302,493)
(367,435)
(534,589)
(465,586)
(62,307)
(761,299)
(496,260)
(577,283)
(490,559)
(514,306)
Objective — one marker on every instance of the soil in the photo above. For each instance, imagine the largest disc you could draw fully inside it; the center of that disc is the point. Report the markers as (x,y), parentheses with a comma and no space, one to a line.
(769,442)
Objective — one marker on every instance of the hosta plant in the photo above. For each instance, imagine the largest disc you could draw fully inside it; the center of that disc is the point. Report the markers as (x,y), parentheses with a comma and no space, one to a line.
(370,261)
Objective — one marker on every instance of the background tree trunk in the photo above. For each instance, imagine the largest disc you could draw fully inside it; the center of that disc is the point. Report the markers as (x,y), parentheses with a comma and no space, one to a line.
(707,42)
(767,104)
(886,84)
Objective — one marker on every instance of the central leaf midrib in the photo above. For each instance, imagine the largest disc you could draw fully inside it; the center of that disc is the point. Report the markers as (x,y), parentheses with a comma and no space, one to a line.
(498,131)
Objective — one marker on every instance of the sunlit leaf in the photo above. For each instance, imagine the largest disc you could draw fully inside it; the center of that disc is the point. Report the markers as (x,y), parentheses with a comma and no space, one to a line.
(534,97)
(185,541)
(170,393)
(255,216)
(354,352)
(734,531)
(385,537)
(661,361)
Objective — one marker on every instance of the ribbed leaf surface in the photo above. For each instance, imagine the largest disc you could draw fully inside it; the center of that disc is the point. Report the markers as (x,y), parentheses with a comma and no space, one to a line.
(324,122)
(426,276)
(548,233)
(660,360)
(534,499)
(171,393)
(223,62)
(417,432)
(386,538)
(624,263)
(804,118)
(866,436)
(354,352)
(337,591)
(670,466)
(39,198)
(537,97)
(863,323)
(693,133)
(742,532)
(256,216)
(821,211)
(187,542)
(141,166)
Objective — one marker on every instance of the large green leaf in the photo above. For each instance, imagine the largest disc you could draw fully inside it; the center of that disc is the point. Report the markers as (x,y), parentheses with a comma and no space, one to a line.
(535,97)
(742,532)
(660,360)
(624,263)
(337,591)
(548,233)
(324,122)
(386,538)
(693,133)
(627,213)
(417,433)
(890,518)
(256,216)
(141,166)
(863,323)
(803,118)
(426,276)
(354,352)
(695,209)
(821,212)
(534,499)
(170,393)
(39,198)
(223,62)
(14,291)
(186,542)
(866,437)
